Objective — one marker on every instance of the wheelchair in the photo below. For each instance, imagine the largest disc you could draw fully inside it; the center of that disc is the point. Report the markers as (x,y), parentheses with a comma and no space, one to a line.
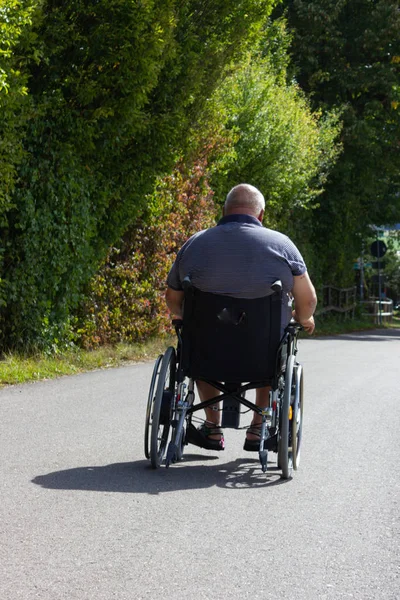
(237,342)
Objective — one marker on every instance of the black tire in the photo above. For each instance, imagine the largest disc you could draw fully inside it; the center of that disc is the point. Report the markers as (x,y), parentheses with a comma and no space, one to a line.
(297,418)
(285,457)
(161,419)
(150,402)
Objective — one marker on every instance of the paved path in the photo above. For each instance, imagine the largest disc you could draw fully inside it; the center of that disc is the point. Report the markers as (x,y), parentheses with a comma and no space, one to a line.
(83,517)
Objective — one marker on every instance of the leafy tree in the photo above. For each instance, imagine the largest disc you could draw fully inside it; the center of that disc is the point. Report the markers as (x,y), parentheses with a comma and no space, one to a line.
(280,145)
(347,55)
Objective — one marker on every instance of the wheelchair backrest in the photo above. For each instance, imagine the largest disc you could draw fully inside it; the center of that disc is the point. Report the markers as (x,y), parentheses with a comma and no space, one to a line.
(230,339)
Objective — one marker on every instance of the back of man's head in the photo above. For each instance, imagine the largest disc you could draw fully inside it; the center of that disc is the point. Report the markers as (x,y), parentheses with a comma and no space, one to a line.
(244,199)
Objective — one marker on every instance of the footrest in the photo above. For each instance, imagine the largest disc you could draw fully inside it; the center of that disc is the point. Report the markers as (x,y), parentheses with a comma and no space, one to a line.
(263,454)
(172,453)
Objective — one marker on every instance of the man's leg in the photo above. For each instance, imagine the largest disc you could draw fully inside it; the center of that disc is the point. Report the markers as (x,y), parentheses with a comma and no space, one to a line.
(262,400)
(213,414)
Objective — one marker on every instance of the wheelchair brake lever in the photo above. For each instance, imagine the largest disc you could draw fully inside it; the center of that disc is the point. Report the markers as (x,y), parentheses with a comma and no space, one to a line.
(186,283)
(177,324)
(277,286)
(294,327)
(296,324)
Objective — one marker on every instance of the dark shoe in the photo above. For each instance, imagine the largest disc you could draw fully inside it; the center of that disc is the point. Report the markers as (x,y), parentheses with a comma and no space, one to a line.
(200,437)
(270,443)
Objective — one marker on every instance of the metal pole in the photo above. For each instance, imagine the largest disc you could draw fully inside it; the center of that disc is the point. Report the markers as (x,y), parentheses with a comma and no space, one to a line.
(379,281)
(362,274)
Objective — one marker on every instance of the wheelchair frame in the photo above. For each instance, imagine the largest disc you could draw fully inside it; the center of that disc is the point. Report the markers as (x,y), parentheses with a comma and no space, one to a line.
(170,406)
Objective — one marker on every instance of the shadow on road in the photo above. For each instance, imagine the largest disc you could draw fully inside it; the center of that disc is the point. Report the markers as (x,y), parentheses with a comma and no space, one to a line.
(138,478)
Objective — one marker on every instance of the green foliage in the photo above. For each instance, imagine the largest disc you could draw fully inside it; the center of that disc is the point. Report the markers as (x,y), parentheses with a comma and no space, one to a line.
(346,55)
(15,28)
(15,21)
(91,67)
(115,90)
(281,146)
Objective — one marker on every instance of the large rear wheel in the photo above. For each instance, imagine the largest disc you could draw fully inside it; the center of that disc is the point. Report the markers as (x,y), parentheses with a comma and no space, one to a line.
(285,450)
(150,403)
(162,408)
(297,416)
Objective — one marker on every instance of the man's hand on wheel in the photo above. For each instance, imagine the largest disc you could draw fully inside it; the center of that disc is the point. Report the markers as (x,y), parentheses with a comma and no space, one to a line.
(307,324)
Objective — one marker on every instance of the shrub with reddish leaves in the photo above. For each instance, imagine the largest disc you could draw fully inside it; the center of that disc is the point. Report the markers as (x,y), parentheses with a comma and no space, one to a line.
(126,298)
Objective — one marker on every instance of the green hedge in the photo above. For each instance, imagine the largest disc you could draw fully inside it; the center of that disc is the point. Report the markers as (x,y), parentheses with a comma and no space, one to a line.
(115,90)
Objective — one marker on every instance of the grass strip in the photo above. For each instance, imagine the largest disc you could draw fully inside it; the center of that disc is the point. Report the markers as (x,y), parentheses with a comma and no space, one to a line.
(17,368)
(329,325)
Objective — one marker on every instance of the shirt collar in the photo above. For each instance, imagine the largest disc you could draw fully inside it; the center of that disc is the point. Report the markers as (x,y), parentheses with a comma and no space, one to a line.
(239,218)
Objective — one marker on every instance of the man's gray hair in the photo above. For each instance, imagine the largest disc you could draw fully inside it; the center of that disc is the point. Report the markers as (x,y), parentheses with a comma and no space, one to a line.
(245,196)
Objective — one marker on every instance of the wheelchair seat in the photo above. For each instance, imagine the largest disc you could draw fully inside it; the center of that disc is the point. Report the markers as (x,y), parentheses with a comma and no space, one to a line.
(230,339)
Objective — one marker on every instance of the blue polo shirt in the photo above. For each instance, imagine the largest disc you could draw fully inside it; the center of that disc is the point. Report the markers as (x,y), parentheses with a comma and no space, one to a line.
(240,258)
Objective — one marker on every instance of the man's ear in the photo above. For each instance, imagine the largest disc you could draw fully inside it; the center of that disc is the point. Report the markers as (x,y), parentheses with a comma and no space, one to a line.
(261,216)
(223,210)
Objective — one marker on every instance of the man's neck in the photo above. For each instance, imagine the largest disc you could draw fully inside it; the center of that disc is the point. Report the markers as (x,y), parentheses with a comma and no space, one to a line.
(239,218)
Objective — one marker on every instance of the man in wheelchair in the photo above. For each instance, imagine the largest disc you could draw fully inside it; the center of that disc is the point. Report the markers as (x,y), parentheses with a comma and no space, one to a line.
(240,259)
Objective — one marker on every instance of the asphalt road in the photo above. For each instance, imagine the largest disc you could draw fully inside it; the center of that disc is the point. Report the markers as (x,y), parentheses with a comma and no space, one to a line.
(83,516)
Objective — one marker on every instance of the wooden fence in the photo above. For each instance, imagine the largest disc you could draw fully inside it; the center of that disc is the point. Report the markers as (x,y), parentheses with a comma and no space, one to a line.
(334,299)
(344,300)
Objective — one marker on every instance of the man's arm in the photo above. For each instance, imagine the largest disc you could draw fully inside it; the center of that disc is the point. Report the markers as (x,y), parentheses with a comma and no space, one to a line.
(174,300)
(305,301)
